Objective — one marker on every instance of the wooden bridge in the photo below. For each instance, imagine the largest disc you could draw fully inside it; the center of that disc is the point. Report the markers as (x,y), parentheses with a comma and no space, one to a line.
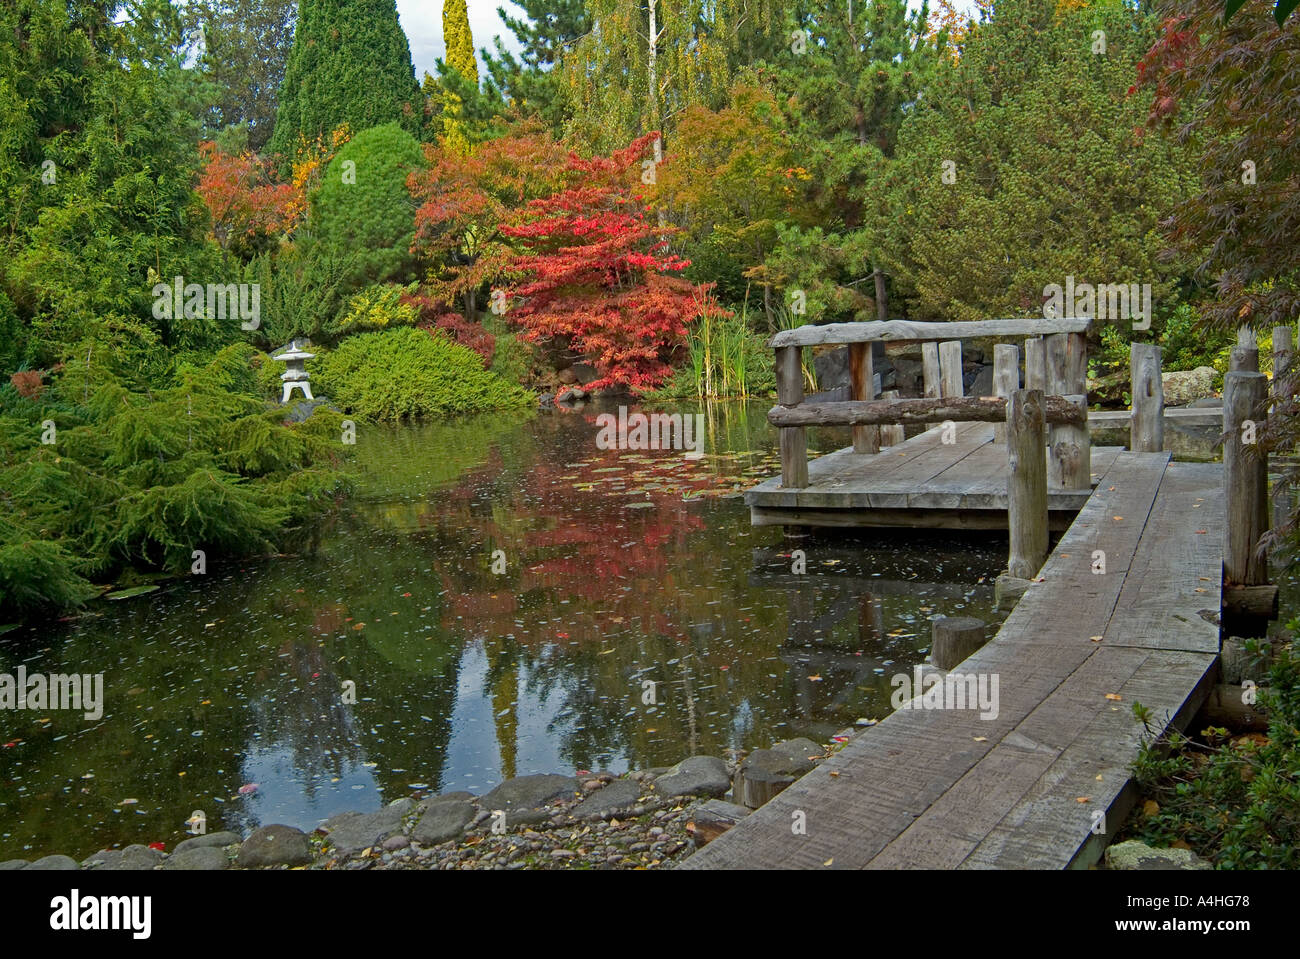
(1126,610)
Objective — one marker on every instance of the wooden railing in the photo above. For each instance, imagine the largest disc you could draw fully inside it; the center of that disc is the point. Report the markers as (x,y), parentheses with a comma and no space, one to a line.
(1056,364)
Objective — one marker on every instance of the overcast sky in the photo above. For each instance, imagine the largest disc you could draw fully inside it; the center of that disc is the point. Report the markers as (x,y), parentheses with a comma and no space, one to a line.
(422,21)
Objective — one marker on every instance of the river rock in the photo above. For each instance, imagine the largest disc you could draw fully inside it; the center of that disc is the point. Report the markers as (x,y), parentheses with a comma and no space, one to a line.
(1140,857)
(446,797)
(697,776)
(350,833)
(443,821)
(59,863)
(1184,386)
(135,858)
(205,858)
(529,793)
(275,845)
(211,839)
(616,799)
(13,864)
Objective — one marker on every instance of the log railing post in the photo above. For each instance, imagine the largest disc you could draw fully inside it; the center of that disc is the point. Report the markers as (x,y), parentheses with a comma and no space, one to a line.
(1006,380)
(950,368)
(930,371)
(1147,423)
(866,439)
(893,434)
(1244,357)
(1026,484)
(1067,375)
(793,441)
(1036,363)
(1245,478)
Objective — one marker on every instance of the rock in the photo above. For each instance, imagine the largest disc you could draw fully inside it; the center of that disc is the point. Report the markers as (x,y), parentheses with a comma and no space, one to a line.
(393,843)
(616,799)
(697,776)
(546,400)
(1185,386)
(12,864)
(585,372)
(352,832)
(800,749)
(563,854)
(1007,590)
(529,793)
(832,369)
(275,845)
(713,818)
(199,858)
(443,821)
(447,797)
(568,377)
(1206,403)
(766,772)
(981,384)
(135,858)
(1138,856)
(207,839)
(59,863)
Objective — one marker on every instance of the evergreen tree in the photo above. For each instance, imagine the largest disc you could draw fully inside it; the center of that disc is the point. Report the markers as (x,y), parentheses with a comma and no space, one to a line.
(458,39)
(350,63)
(530,83)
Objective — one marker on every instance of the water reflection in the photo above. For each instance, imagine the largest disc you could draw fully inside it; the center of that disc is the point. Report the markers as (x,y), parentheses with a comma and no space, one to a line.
(228,694)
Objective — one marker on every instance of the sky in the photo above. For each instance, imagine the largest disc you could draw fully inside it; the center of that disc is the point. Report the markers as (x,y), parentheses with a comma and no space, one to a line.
(422,21)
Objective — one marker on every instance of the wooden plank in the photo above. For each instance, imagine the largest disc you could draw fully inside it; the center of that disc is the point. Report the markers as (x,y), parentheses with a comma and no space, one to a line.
(982,409)
(950,369)
(890,330)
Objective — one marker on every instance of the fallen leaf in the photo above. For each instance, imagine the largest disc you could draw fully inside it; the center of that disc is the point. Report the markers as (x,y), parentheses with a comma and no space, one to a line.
(1082,799)
(1117,518)
(1095,639)
(1150,807)
(981,739)
(1114,697)
(812,679)
(829,861)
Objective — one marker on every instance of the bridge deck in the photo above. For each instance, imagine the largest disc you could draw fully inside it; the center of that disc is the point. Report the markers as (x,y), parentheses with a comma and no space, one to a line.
(947,789)
(921,482)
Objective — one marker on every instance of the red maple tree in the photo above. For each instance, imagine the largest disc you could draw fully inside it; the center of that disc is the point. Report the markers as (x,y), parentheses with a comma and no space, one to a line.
(242,195)
(597,277)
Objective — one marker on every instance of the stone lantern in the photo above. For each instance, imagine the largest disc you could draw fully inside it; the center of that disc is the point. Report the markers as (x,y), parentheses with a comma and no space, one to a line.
(295,375)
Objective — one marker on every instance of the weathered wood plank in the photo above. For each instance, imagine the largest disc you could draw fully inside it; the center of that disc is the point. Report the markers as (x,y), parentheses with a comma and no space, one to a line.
(978,409)
(839,333)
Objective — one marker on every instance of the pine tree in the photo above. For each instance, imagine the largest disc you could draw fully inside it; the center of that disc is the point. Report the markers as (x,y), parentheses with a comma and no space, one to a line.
(459,41)
(531,82)
(350,63)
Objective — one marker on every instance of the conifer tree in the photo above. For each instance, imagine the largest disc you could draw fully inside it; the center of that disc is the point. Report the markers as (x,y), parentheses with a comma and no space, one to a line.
(458,39)
(350,63)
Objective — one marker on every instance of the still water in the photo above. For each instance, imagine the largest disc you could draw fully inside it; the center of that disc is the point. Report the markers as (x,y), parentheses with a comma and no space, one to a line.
(639,619)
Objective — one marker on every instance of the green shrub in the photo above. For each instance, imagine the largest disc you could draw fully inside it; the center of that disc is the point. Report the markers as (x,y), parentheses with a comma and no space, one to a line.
(394,374)
(304,288)
(376,307)
(512,357)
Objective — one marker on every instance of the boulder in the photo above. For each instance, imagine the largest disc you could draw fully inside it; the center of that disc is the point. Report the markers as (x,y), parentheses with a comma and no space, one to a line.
(207,840)
(697,776)
(1186,386)
(199,858)
(979,382)
(616,799)
(135,858)
(350,833)
(56,863)
(443,821)
(1007,590)
(1140,857)
(275,845)
(13,864)
(529,793)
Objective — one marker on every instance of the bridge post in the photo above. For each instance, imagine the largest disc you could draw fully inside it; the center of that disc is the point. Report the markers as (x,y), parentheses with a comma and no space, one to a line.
(891,435)
(1147,425)
(1006,380)
(1036,363)
(1026,484)
(866,439)
(793,441)
(1067,375)
(930,370)
(1245,478)
(950,368)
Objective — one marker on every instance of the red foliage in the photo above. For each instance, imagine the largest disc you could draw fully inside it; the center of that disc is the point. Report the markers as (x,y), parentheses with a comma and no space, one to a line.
(242,196)
(599,279)
(28,384)
(437,315)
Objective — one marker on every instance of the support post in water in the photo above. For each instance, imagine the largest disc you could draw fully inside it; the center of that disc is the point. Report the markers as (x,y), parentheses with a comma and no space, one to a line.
(789,392)
(953,638)
(1147,423)
(930,371)
(1026,484)
(950,368)
(1245,478)
(1006,380)
(1067,375)
(866,439)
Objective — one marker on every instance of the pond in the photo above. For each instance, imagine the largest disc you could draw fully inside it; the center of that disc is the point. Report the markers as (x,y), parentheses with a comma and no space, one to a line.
(632,617)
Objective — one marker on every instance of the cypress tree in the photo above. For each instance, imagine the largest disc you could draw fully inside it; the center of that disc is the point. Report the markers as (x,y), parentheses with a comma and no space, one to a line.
(350,63)
(459,40)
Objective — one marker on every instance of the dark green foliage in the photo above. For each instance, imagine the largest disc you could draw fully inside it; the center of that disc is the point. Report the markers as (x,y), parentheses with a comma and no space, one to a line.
(396,374)
(531,83)
(303,289)
(372,218)
(350,63)
(144,479)
(1235,801)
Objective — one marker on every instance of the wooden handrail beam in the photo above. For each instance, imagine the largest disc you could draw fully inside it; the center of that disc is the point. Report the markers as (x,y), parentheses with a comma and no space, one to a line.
(836,333)
(981,409)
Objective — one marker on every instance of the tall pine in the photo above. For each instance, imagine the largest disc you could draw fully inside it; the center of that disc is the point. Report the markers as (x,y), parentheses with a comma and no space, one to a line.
(350,63)
(531,82)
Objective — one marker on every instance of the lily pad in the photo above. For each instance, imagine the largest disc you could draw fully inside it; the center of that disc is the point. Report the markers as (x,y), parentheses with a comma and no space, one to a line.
(132,592)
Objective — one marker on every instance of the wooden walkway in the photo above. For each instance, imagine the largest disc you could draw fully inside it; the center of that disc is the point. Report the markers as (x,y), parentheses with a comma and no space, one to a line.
(1045,784)
(922,482)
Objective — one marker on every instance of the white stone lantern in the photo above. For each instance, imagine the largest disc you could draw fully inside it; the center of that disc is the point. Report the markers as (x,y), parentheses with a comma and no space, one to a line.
(295,376)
